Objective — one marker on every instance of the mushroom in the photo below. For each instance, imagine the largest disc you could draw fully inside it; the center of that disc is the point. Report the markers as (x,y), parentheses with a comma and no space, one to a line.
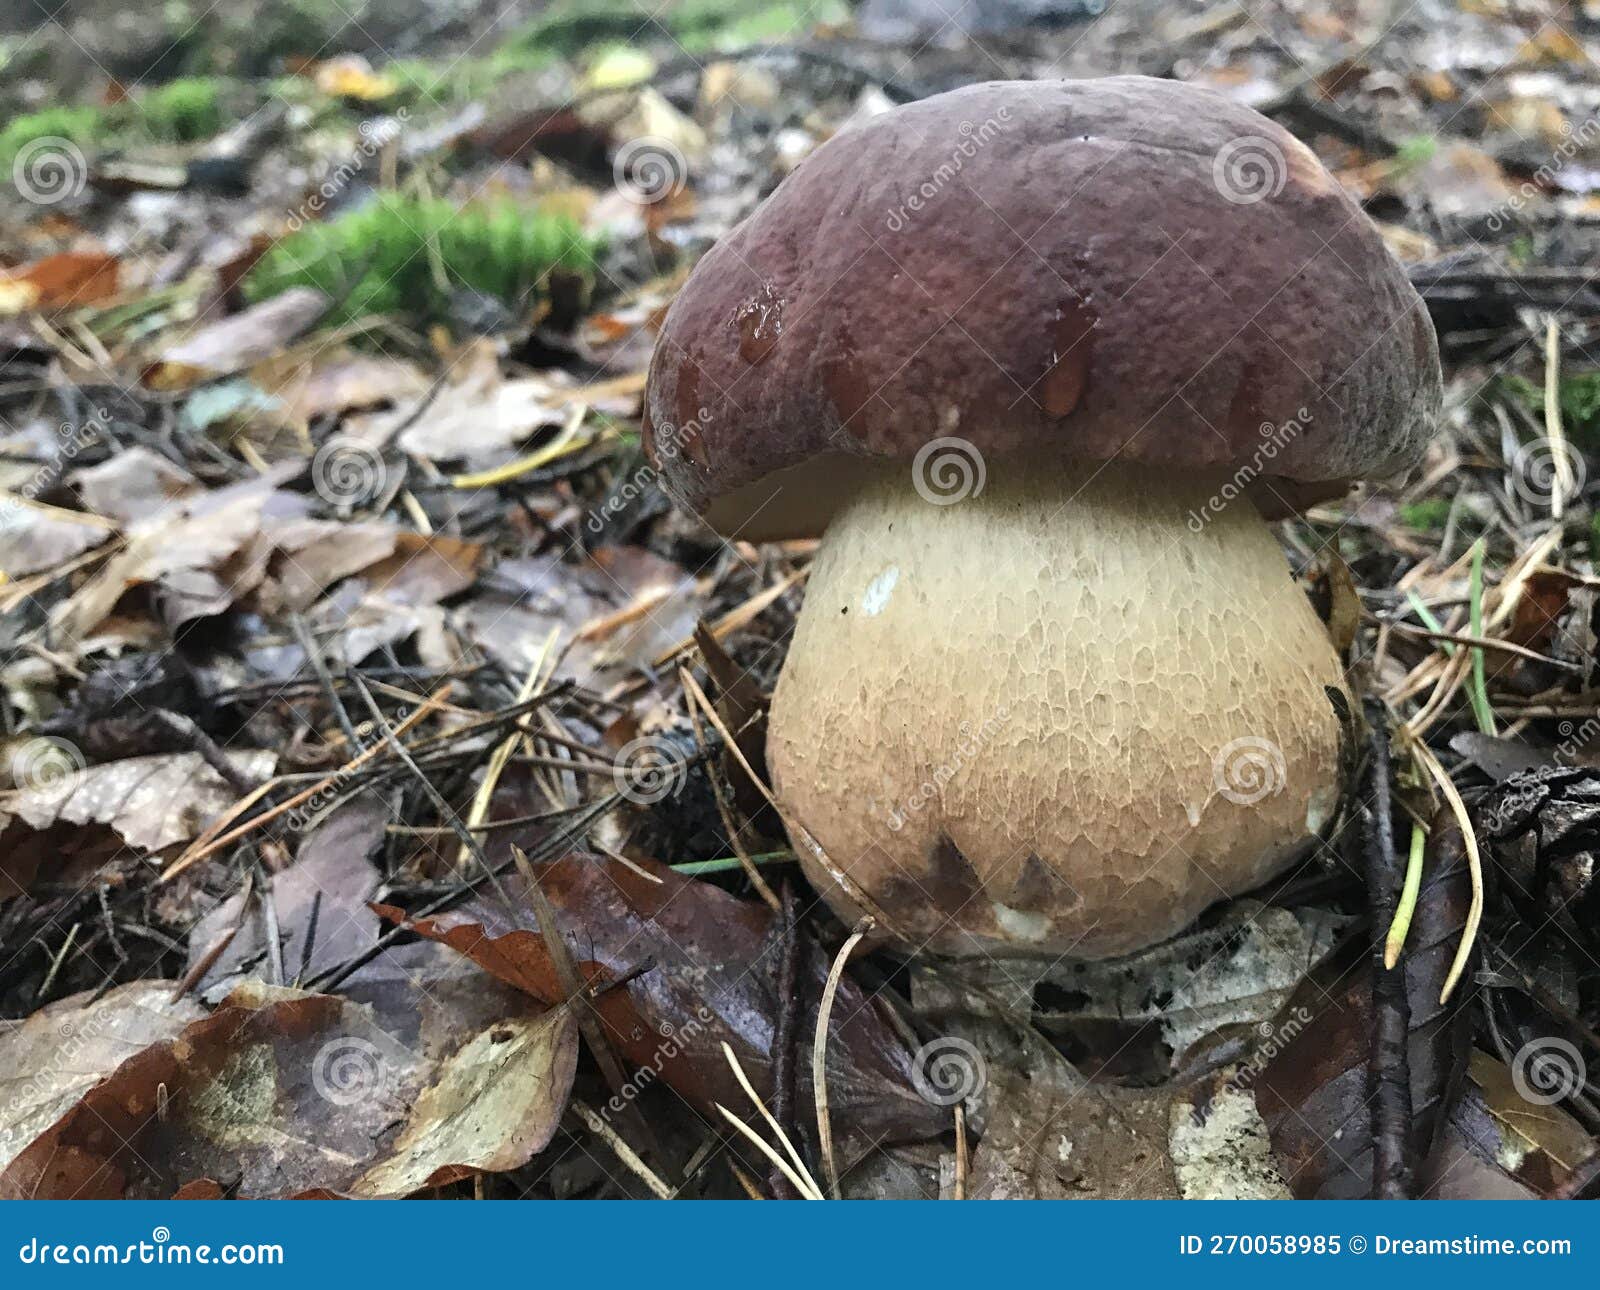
(1036,360)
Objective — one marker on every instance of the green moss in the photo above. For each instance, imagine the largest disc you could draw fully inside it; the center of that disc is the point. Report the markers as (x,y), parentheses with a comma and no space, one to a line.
(1430,514)
(1580,404)
(82,125)
(500,248)
(183,111)
(1415,152)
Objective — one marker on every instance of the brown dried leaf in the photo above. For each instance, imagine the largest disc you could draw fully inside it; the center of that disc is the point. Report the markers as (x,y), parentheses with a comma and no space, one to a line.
(280,1092)
(133,484)
(233,344)
(332,875)
(57,1055)
(1313,1091)
(62,281)
(151,802)
(713,964)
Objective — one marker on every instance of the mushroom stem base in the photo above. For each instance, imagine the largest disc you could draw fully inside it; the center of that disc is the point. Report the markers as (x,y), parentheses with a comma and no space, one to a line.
(1062,715)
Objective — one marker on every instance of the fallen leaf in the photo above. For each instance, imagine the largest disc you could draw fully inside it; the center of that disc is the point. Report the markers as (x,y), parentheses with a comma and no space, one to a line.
(236,343)
(331,880)
(57,1055)
(712,961)
(133,485)
(61,281)
(284,1093)
(151,802)
(33,539)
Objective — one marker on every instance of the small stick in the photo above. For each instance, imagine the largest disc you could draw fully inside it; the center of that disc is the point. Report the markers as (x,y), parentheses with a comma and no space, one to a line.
(621,1149)
(961,1152)
(1388,1063)
(783,1040)
(819,1054)
(574,989)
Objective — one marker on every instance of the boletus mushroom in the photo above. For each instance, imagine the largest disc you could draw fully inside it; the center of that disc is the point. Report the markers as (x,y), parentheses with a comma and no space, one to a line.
(1035,360)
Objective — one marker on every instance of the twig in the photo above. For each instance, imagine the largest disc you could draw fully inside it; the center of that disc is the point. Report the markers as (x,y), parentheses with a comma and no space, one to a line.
(697,696)
(1388,1064)
(819,1054)
(575,991)
(783,1040)
(621,1149)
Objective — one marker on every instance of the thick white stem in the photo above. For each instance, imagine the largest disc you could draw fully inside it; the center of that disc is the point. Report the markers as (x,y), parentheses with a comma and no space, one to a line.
(1060,716)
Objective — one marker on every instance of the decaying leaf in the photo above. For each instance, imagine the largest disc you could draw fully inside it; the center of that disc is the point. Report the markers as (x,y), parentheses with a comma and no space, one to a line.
(1047,1138)
(319,903)
(1313,1091)
(151,802)
(236,343)
(281,1093)
(57,1055)
(133,485)
(709,961)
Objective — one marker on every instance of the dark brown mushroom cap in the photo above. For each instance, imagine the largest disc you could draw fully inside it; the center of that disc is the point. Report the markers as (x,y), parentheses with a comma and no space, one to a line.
(1124,267)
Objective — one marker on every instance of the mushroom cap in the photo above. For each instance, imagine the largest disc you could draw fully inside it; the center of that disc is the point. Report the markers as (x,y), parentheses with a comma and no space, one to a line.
(1120,268)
